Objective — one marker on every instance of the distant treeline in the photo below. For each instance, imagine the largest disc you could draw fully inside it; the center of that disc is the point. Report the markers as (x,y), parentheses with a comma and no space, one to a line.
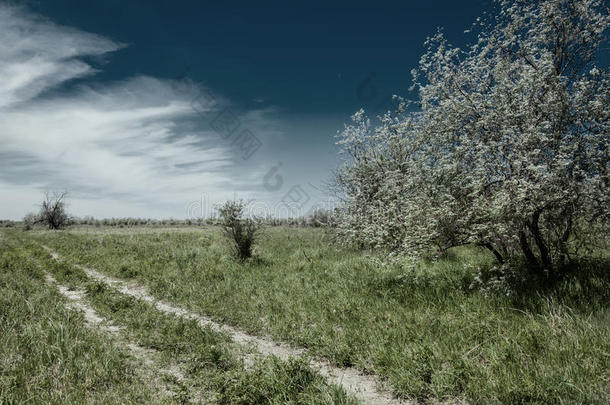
(318,218)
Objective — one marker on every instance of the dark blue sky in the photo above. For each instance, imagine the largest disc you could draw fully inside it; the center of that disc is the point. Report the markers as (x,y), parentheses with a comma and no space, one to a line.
(91,105)
(307,58)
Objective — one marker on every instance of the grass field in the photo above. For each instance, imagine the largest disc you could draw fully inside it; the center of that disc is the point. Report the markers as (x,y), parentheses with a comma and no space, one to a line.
(49,355)
(427,331)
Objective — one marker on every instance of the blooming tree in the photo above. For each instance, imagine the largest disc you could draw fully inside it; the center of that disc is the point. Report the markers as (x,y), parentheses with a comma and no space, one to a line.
(508,148)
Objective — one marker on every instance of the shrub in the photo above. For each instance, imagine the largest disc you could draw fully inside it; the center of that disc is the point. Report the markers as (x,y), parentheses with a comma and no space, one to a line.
(29,221)
(242,232)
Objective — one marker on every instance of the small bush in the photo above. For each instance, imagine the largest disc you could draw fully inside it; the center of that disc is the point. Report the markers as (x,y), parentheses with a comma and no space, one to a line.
(242,232)
(29,220)
(53,212)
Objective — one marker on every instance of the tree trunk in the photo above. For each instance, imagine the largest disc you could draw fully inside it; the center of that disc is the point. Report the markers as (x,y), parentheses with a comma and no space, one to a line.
(547,263)
(564,239)
(527,251)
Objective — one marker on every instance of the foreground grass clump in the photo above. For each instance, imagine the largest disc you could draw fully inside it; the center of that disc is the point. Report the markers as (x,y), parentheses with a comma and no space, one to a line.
(47,355)
(427,330)
(282,382)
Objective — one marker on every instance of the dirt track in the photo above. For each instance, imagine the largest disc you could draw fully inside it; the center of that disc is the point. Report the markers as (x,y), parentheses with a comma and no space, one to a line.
(367,388)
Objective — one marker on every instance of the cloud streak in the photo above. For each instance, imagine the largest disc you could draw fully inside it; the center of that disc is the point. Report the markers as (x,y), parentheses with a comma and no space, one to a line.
(37,54)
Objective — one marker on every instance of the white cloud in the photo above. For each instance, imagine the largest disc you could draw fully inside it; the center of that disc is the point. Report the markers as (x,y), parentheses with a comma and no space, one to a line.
(128,144)
(37,54)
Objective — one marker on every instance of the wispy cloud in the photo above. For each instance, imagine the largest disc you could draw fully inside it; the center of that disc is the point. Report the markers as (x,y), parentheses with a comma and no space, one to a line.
(136,141)
(37,54)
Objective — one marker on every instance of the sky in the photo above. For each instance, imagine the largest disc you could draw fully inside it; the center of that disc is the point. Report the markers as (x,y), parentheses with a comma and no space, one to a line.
(159,109)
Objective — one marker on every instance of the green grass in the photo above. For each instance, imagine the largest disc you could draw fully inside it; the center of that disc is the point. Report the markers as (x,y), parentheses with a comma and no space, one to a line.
(209,357)
(425,330)
(212,364)
(46,353)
